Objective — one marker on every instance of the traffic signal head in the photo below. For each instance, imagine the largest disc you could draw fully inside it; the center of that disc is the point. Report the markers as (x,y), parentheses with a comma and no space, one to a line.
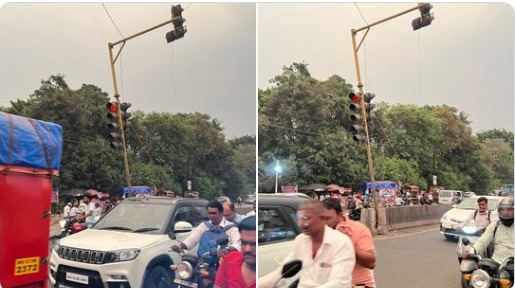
(355,107)
(125,115)
(176,34)
(177,19)
(178,24)
(114,127)
(425,18)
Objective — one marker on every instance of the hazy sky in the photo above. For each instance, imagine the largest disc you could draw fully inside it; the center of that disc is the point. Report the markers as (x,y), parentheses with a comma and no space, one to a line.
(464,59)
(211,70)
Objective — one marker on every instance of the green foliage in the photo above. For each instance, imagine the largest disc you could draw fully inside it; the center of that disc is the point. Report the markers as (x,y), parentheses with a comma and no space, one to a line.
(305,123)
(164,150)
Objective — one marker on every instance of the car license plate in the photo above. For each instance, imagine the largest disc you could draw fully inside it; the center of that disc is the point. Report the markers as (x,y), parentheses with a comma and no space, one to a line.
(26,266)
(77,278)
(186,283)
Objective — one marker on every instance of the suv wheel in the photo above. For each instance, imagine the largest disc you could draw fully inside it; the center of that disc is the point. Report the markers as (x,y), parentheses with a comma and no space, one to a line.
(158,277)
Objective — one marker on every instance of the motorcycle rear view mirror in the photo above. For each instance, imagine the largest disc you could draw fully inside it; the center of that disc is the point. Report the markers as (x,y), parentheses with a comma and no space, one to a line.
(465,241)
(291,268)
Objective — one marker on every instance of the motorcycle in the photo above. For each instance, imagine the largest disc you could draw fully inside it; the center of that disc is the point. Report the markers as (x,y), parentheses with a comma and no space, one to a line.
(289,270)
(191,270)
(69,225)
(492,275)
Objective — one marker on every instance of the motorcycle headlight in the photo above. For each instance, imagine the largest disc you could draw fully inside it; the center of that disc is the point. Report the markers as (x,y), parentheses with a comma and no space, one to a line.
(469,229)
(184,270)
(480,279)
(124,255)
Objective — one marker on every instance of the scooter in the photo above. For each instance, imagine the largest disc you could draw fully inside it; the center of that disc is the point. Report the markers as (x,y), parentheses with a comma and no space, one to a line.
(492,275)
(470,234)
(191,270)
(69,226)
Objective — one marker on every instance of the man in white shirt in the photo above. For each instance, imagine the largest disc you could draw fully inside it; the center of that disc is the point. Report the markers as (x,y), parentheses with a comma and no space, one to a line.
(230,213)
(327,256)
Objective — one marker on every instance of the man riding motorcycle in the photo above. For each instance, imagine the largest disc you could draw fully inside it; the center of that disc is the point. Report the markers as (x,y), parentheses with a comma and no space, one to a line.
(499,232)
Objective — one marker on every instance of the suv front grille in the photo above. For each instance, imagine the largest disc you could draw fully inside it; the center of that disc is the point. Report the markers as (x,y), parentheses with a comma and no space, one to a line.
(82,255)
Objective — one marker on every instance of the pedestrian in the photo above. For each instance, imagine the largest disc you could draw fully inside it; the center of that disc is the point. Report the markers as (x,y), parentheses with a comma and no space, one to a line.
(239,201)
(238,269)
(66,209)
(253,211)
(327,256)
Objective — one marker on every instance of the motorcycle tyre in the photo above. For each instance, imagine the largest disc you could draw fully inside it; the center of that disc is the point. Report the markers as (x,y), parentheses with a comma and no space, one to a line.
(464,283)
(159,277)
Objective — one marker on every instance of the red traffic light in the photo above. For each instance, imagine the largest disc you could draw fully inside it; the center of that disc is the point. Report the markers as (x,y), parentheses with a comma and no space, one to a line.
(113,107)
(354,97)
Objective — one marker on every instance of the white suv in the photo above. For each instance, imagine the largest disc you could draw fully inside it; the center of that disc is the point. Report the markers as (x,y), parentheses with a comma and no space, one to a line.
(129,246)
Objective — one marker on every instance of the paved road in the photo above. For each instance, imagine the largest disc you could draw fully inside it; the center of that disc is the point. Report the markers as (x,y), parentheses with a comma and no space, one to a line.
(421,260)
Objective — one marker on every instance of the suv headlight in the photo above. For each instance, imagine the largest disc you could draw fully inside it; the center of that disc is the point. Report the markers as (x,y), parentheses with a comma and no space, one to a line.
(123,255)
(184,270)
(480,279)
(445,217)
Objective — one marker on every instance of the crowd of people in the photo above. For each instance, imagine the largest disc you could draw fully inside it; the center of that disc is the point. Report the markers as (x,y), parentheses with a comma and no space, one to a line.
(88,209)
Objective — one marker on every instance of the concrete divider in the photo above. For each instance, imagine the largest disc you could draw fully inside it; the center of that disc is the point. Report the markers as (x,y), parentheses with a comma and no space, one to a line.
(393,218)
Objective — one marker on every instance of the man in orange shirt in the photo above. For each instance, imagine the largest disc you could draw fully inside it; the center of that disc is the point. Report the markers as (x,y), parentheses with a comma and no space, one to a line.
(363,273)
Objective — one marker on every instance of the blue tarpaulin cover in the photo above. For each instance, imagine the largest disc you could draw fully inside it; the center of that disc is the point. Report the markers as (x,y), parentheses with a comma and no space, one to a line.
(29,142)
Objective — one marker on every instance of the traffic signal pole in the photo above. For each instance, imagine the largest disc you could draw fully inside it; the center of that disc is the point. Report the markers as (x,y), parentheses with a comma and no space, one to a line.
(112,61)
(355,49)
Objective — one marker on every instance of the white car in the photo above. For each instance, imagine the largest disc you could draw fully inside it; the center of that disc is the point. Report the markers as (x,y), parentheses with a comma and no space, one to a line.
(129,246)
(453,220)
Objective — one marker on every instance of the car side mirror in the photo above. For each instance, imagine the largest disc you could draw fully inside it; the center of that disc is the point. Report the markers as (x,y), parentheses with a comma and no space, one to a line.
(182,226)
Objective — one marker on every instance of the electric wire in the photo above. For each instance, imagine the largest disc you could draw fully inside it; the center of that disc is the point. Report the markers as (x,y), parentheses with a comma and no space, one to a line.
(121,57)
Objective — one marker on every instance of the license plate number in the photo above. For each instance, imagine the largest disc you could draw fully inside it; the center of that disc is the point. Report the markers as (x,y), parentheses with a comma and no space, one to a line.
(26,266)
(77,278)
(186,283)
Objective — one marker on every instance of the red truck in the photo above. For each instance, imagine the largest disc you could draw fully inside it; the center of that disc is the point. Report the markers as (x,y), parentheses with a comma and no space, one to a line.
(30,155)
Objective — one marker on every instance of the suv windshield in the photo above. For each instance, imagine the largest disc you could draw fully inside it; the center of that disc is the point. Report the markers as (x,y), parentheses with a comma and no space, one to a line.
(471,203)
(136,216)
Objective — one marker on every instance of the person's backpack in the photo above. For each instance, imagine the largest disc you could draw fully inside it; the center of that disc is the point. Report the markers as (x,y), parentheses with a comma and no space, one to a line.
(488,216)
(209,237)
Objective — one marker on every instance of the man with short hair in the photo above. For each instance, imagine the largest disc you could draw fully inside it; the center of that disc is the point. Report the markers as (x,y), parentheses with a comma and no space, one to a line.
(230,213)
(238,269)
(327,256)
(363,273)
(202,235)
(482,215)
(253,211)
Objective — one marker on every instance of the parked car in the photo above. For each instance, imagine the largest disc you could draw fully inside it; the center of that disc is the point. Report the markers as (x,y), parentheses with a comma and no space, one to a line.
(453,220)
(468,194)
(249,199)
(277,228)
(447,196)
(128,246)
(223,199)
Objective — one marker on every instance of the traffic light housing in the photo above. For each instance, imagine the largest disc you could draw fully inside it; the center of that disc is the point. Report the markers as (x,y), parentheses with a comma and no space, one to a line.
(114,127)
(355,107)
(178,24)
(125,115)
(425,18)
(369,106)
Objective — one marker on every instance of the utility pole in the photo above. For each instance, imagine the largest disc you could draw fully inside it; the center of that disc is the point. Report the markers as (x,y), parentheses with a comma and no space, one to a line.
(179,32)
(424,20)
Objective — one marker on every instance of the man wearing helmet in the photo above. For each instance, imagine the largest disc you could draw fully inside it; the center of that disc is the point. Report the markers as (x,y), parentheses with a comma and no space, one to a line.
(500,232)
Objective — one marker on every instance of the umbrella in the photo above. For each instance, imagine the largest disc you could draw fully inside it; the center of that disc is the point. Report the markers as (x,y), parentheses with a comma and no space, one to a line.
(333,188)
(75,192)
